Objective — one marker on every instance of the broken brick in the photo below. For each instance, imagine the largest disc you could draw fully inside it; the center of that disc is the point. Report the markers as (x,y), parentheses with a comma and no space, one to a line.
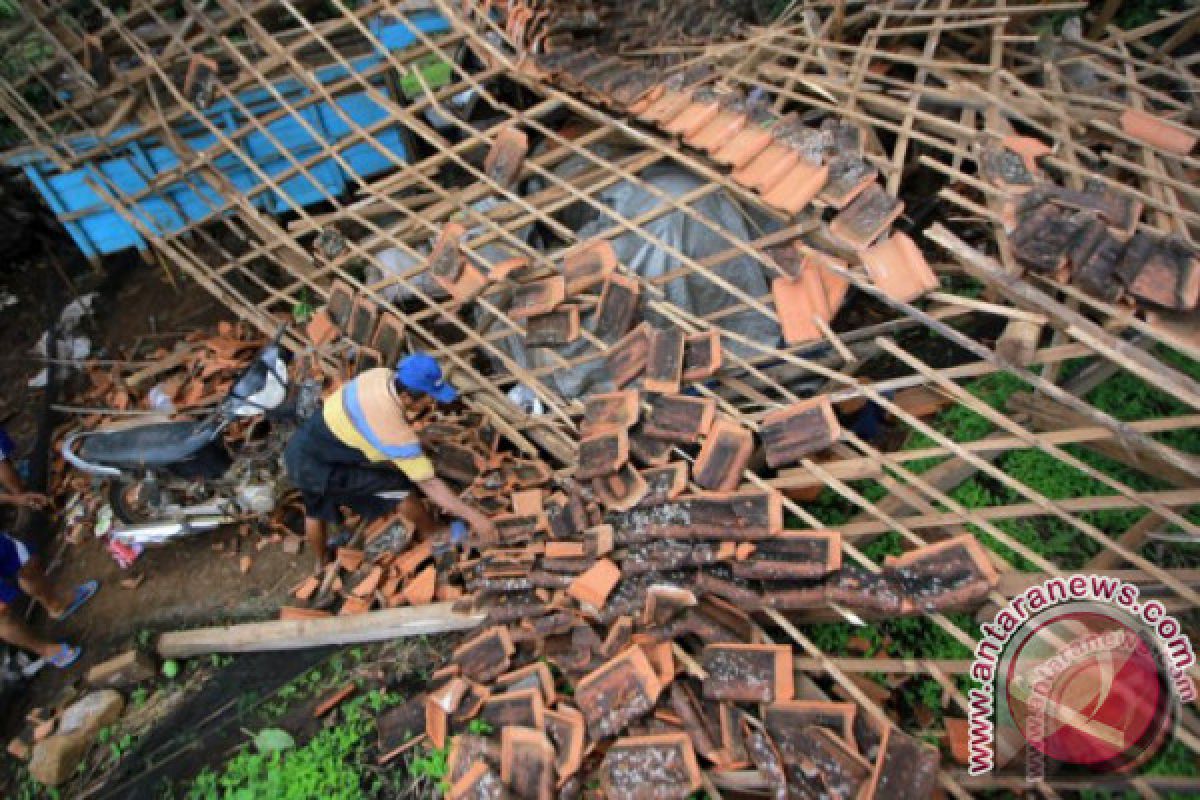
(679,418)
(602,453)
(617,309)
(799,430)
(866,217)
(664,363)
(527,762)
(593,586)
(727,449)
(619,691)
(655,767)
(748,673)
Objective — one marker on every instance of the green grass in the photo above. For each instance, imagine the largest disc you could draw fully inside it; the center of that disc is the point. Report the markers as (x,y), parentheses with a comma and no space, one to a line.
(330,766)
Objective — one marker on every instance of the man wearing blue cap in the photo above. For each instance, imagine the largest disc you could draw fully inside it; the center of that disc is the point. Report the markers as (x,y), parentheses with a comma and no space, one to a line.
(360,453)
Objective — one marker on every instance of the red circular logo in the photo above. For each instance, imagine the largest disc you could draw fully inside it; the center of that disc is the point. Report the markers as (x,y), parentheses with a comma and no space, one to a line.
(1086,688)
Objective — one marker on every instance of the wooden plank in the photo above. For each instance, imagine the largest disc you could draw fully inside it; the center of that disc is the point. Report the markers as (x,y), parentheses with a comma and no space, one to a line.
(374,626)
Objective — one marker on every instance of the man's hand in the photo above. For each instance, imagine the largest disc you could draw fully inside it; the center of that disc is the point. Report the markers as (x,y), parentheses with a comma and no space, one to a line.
(33,500)
(483,528)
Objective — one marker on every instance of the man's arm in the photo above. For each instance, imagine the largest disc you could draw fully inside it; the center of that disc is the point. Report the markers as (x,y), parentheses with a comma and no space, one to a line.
(14,491)
(452,505)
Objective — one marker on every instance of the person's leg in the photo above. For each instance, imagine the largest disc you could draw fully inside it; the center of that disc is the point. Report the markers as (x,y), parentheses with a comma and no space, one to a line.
(18,634)
(316,531)
(34,583)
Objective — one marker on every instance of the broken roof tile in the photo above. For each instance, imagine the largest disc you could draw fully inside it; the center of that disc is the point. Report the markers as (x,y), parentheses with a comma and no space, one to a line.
(664,483)
(619,691)
(701,355)
(507,154)
(485,655)
(621,490)
(751,673)
(617,309)
(679,418)
(523,707)
(611,410)
(749,142)
(446,260)
(363,316)
(1158,132)
(798,187)
(727,449)
(702,109)
(588,265)
(655,767)
(866,217)
(602,453)
(554,328)
(567,730)
(593,586)
(797,431)
(664,361)
(849,176)
(793,555)
(527,762)
(538,297)
(479,782)
(1161,271)
(897,266)
(949,573)
(626,359)
(786,719)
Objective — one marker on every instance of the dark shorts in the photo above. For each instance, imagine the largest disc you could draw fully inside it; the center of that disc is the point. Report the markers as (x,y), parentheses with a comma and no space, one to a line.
(14,554)
(7,446)
(330,475)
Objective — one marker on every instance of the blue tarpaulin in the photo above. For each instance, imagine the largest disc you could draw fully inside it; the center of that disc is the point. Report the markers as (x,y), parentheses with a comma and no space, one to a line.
(134,161)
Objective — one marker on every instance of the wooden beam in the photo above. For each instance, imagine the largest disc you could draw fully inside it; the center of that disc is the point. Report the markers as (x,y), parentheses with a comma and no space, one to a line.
(298,634)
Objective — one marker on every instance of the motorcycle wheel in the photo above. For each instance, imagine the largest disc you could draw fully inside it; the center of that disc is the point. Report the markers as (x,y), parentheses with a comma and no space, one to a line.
(127,504)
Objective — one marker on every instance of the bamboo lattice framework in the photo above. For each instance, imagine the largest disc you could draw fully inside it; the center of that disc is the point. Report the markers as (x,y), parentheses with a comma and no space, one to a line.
(930,84)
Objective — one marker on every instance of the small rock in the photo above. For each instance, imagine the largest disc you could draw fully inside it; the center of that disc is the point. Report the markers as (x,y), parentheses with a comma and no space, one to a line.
(54,759)
(92,712)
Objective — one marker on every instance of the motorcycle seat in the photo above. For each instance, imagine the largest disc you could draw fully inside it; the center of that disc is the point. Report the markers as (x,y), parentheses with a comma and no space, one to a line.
(153,445)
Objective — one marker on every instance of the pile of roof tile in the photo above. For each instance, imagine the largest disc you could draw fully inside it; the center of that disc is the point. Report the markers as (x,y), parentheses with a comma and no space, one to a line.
(1090,237)
(621,640)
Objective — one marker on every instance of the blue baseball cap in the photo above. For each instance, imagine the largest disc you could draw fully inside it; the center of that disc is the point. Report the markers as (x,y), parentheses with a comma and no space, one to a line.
(420,373)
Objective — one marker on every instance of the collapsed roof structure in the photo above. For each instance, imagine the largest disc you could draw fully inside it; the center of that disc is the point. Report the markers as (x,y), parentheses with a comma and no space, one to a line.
(648,234)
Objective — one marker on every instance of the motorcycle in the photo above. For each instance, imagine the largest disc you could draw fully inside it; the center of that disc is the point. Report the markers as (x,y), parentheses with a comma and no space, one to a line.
(173,478)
